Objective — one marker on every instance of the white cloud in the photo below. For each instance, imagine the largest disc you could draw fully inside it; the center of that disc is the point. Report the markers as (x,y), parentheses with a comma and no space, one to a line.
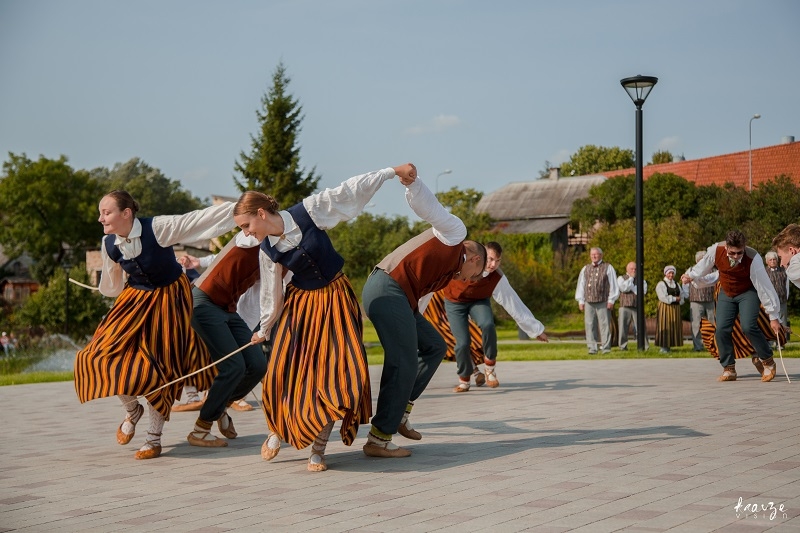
(437,124)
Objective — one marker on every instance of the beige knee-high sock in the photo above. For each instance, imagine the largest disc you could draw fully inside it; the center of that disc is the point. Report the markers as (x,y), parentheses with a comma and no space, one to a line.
(320,443)
(154,430)
(131,405)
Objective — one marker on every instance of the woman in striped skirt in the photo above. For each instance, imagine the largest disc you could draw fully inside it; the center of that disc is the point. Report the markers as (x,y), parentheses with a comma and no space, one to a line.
(146,340)
(669,328)
(317,372)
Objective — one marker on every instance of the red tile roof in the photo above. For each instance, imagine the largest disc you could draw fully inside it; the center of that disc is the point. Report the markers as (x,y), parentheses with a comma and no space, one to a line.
(768,162)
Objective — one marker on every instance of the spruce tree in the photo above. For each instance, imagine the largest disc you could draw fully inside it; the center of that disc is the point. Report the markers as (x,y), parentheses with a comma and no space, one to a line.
(273,165)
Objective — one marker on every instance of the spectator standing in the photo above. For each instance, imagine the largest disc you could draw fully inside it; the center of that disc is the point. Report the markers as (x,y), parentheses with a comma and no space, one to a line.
(596,293)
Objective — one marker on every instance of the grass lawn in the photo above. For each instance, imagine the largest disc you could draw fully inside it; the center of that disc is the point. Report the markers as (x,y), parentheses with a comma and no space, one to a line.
(510,349)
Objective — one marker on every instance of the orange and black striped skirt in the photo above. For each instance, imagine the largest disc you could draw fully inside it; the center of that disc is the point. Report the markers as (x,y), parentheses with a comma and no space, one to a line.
(436,314)
(741,344)
(318,371)
(145,341)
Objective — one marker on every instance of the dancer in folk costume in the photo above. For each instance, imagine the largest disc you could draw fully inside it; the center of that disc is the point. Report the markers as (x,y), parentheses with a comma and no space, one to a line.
(787,245)
(145,341)
(465,302)
(318,371)
(413,348)
(744,288)
(435,313)
(217,295)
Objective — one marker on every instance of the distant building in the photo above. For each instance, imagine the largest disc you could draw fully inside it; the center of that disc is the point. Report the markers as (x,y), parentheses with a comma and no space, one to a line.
(545,205)
(768,162)
(539,206)
(17,285)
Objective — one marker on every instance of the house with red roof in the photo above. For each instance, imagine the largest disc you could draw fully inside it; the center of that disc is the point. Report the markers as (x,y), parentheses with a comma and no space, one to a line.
(767,163)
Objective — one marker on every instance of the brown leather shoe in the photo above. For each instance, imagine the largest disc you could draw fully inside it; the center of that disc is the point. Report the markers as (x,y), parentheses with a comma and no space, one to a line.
(190,406)
(480,379)
(491,380)
(769,370)
(205,439)
(729,374)
(412,434)
(375,450)
(241,405)
(150,453)
(267,453)
(230,431)
(124,438)
(317,467)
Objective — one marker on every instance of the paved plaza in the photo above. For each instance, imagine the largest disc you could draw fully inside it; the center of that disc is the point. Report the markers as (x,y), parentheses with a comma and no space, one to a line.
(589,446)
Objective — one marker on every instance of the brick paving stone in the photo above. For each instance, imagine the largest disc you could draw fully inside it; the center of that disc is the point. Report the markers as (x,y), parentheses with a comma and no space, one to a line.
(559,446)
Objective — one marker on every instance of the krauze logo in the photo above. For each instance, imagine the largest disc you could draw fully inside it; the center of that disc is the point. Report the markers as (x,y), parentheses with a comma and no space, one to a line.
(759,510)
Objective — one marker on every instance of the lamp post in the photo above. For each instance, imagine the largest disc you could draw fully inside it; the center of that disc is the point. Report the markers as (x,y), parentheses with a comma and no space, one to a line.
(66,266)
(448,171)
(638,88)
(750,153)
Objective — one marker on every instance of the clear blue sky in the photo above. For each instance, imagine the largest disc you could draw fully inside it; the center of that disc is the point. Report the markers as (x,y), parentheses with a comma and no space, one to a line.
(490,90)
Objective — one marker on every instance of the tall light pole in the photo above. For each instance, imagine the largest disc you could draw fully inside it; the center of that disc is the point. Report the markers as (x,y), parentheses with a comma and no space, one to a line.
(750,153)
(638,88)
(448,171)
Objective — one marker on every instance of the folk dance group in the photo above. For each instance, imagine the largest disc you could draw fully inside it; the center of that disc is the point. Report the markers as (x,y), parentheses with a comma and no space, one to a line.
(161,329)
(317,372)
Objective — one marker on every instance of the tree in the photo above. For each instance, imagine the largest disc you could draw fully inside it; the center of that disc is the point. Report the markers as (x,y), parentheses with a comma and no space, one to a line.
(666,194)
(46,308)
(661,157)
(462,204)
(273,166)
(610,201)
(46,209)
(591,159)
(155,193)
(367,239)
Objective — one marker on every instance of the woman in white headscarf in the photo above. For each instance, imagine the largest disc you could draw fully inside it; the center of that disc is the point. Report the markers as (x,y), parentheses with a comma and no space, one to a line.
(669,328)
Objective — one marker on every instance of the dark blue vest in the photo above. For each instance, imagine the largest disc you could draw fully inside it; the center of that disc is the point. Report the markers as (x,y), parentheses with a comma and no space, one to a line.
(315,262)
(154,268)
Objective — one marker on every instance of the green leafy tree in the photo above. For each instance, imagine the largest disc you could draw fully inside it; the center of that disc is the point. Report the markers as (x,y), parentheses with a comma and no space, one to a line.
(46,308)
(665,195)
(462,204)
(612,200)
(367,239)
(273,165)
(155,193)
(591,159)
(47,209)
(661,157)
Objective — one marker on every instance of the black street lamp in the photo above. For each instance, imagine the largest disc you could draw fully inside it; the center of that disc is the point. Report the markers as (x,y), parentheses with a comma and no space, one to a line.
(638,88)
(66,266)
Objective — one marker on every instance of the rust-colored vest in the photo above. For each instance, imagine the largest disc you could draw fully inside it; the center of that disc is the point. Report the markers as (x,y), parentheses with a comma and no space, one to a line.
(464,291)
(229,278)
(423,265)
(736,280)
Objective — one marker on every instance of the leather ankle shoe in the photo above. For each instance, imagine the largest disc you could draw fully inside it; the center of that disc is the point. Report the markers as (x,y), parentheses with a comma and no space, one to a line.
(409,433)
(376,450)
